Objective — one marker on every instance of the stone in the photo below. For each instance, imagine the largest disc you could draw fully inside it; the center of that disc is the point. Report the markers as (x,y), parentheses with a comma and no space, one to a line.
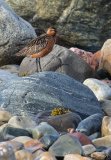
(22,139)
(8,132)
(106,126)
(44,91)
(75,157)
(101,149)
(91,124)
(103,75)
(105,62)
(106,106)
(43,129)
(38,153)
(60,122)
(4,117)
(88,149)
(89,32)
(98,156)
(46,156)
(12,68)
(60,59)
(14,32)
(6,152)
(84,140)
(33,145)
(22,122)
(95,135)
(107,152)
(96,59)
(48,140)
(103,141)
(14,144)
(66,144)
(23,154)
(101,90)
(24,8)
(86,56)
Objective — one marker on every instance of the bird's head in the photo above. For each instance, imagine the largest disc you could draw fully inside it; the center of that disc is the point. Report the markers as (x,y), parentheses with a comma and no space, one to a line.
(51,31)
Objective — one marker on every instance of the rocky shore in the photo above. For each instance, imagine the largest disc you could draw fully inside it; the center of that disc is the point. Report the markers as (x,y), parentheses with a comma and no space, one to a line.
(63,112)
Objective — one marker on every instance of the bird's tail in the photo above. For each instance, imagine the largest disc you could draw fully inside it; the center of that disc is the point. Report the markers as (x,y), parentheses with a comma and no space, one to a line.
(22,52)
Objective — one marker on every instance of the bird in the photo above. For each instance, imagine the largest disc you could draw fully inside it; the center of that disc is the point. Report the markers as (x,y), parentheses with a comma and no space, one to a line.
(40,46)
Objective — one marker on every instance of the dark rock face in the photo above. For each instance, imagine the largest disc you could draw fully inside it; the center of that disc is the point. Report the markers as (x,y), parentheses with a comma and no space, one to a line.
(45,91)
(85,24)
(60,59)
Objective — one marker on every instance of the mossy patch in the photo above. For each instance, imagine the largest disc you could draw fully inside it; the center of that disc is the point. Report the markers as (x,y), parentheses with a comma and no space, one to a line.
(59,111)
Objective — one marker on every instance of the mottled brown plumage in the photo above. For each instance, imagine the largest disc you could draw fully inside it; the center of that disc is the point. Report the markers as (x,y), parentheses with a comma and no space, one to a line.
(40,46)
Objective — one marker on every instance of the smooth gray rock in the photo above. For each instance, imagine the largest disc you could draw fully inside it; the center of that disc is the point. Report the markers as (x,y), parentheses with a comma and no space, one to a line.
(60,59)
(12,68)
(14,34)
(91,124)
(22,122)
(48,140)
(64,145)
(45,91)
(43,129)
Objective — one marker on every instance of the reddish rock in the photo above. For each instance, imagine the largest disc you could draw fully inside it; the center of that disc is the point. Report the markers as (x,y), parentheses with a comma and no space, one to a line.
(84,140)
(90,58)
(95,59)
(33,145)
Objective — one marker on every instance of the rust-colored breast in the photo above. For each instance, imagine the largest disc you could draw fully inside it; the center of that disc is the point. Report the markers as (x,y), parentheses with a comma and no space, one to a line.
(41,45)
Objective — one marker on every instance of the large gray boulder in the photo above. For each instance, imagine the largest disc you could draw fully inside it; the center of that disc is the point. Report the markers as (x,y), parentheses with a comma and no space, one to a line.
(14,34)
(60,59)
(45,91)
(83,23)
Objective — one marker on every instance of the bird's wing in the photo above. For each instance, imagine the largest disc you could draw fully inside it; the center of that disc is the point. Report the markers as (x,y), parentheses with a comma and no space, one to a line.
(34,46)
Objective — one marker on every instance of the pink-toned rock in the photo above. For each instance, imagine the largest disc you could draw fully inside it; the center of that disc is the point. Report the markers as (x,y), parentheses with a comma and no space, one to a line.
(86,56)
(33,145)
(105,62)
(84,140)
(75,157)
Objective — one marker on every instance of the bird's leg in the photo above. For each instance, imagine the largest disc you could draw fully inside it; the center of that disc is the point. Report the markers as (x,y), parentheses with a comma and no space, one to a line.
(39,65)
